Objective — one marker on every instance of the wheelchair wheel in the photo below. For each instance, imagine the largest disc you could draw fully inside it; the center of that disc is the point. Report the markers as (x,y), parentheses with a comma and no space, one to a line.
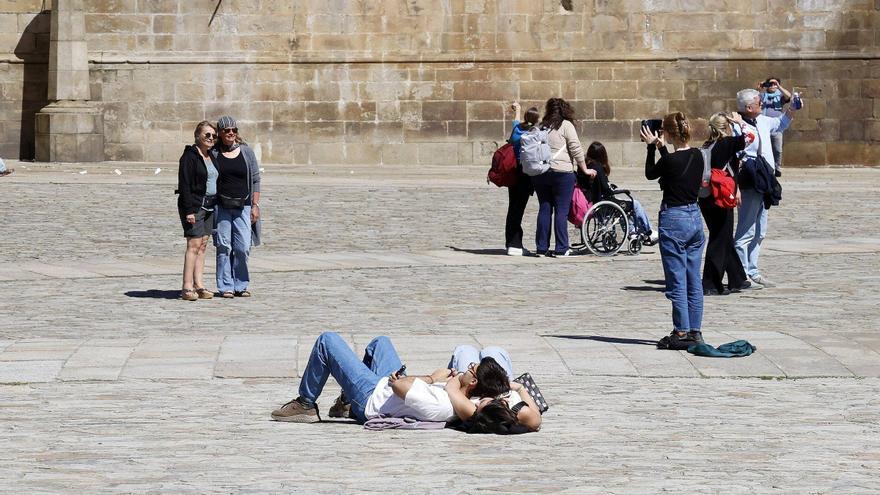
(605,229)
(635,244)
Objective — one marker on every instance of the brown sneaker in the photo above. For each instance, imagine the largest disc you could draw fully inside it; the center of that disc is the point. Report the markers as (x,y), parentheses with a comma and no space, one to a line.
(295,412)
(340,408)
(204,293)
(188,295)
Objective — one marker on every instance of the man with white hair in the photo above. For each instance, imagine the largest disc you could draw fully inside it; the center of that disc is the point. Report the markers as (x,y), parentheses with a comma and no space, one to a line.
(751,225)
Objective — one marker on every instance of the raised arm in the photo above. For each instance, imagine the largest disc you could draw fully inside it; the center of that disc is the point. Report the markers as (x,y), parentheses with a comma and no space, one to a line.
(462,406)
(653,139)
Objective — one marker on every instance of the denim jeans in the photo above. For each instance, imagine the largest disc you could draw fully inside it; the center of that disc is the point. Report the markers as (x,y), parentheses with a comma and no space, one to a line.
(642,222)
(681,250)
(232,238)
(554,190)
(464,355)
(776,143)
(751,228)
(358,378)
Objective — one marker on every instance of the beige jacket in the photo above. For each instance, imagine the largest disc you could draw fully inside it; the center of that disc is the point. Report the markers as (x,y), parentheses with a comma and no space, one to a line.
(565,137)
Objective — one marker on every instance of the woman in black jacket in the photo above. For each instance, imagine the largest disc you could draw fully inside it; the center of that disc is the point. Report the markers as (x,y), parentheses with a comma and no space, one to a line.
(197,186)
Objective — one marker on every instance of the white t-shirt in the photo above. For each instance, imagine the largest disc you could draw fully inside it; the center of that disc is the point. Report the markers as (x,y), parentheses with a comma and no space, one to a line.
(424,401)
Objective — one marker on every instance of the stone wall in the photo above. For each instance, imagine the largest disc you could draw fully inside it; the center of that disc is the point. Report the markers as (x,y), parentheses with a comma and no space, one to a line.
(428,81)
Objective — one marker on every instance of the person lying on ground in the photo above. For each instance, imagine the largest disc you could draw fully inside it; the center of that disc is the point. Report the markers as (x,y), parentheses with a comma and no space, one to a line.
(375,388)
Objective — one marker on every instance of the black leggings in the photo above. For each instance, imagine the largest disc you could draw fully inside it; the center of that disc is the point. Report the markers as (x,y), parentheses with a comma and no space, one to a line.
(519,198)
(721,256)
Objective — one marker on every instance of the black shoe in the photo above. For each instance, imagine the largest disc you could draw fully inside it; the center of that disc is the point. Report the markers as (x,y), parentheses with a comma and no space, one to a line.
(778,173)
(714,292)
(696,337)
(676,341)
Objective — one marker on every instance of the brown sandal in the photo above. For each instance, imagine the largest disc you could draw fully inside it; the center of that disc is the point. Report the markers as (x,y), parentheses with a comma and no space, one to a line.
(228,295)
(189,295)
(204,293)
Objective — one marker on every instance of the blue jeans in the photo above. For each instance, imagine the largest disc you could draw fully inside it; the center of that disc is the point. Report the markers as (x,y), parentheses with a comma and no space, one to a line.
(358,378)
(751,228)
(681,251)
(464,355)
(232,238)
(642,222)
(554,190)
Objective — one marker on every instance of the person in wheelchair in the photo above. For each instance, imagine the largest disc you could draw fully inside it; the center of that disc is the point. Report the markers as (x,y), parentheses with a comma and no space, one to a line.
(598,189)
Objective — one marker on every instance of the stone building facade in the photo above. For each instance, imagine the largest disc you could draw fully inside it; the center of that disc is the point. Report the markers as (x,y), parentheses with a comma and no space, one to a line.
(429,81)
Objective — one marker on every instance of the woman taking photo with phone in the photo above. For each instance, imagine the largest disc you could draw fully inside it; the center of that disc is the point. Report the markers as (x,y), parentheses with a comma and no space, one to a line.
(680,225)
(721,255)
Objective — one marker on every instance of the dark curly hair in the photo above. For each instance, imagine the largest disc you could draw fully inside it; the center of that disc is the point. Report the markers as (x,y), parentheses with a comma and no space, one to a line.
(555,112)
(492,380)
(495,417)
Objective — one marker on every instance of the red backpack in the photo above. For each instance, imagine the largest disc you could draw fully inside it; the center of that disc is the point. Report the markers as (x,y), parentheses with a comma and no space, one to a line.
(723,188)
(503,170)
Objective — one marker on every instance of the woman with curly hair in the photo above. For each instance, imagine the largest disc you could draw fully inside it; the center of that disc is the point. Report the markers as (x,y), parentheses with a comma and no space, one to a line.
(555,186)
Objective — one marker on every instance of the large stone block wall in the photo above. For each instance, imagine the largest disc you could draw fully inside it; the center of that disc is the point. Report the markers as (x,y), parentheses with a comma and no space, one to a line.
(24,74)
(428,81)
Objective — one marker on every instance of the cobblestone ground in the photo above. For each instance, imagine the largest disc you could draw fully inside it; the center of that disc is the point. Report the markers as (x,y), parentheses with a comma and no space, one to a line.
(414,255)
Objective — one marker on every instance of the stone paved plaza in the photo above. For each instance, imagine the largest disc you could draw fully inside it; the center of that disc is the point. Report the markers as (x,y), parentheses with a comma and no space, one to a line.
(110,384)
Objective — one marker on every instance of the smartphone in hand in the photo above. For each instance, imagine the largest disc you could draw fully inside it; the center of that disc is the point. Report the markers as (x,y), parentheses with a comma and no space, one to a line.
(654,125)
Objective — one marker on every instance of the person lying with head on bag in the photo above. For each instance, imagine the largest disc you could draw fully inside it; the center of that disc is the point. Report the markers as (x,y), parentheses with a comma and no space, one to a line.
(375,387)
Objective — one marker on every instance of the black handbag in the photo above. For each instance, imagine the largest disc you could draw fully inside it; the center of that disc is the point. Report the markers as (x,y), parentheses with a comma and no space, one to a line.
(532,388)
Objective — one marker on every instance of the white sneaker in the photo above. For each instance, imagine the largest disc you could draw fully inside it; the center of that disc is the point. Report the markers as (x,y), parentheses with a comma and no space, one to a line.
(654,237)
(761,280)
(512,251)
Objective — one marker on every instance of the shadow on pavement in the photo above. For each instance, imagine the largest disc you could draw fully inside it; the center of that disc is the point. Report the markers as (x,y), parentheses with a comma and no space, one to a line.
(611,340)
(154,294)
(491,252)
(647,288)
